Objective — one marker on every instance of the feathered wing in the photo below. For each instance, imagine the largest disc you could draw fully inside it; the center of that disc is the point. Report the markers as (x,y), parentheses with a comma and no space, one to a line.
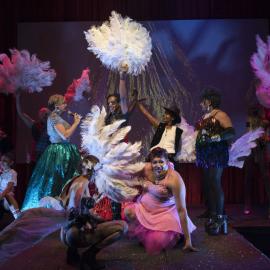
(188,139)
(118,167)
(24,71)
(78,87)
(260,62)
(242,147)
(120,41)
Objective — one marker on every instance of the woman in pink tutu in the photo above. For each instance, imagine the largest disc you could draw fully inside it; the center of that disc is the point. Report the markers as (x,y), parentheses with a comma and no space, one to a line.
(159,217)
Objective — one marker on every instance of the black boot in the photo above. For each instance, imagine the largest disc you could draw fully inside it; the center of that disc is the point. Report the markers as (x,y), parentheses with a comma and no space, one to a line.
(209,222)
(73,257)
(219,225)
(2,209)
(88,260)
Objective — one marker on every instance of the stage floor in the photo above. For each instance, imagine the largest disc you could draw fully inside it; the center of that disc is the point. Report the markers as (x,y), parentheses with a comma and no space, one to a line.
(215,252)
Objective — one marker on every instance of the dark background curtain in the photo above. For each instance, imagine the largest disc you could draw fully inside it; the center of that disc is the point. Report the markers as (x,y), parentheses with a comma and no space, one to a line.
(13,12)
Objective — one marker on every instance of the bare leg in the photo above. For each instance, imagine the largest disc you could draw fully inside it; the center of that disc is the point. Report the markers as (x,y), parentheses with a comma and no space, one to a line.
(12,201)
(105,234)
(13,206)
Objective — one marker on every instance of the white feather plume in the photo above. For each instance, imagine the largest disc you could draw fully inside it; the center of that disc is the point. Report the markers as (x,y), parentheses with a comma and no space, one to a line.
(242,147)
(118,165)
(78,87)
(24,71)
(187,153)
(120,41)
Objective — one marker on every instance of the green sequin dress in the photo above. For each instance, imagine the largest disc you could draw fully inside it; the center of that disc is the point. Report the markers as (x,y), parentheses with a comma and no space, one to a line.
(56,166)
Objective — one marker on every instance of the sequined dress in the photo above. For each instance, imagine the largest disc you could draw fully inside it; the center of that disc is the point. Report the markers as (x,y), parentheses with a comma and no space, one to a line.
(210,154)
(56,166)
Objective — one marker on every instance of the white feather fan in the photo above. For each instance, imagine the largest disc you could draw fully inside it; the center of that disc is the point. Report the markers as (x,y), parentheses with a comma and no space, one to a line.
(120,41)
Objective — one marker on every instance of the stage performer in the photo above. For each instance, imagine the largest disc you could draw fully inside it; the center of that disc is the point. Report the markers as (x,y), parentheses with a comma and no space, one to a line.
(212,154)
(159,217)
(40,138)
(88,225)
(259,155)
(59,162)
(168,134)
(8,182)
(118,110)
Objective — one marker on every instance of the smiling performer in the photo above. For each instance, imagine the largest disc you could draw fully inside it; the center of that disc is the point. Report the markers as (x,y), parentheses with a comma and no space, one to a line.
(159,217)
(59,162)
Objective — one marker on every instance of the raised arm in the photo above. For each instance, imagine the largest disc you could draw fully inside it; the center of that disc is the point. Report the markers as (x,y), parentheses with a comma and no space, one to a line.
(154,121)
(66,133)
(25,118)
(123,93)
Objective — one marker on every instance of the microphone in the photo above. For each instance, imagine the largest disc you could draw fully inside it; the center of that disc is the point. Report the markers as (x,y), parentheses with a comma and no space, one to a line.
(72,113)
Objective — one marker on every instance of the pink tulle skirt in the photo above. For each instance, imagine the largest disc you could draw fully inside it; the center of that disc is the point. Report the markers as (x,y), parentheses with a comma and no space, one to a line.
(157,224)
(153,241)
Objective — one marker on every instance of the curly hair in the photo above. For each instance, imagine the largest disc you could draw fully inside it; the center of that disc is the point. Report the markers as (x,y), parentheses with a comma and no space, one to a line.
(157,152)
(213,96)
(55,100)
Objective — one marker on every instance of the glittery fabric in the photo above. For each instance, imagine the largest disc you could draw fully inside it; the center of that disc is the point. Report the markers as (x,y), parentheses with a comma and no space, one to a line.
(56,166)
(210,154)
(102,208)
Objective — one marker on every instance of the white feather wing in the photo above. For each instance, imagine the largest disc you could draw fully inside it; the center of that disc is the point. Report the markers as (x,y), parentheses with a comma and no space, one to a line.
(118,161)
(188,139)
(242,147)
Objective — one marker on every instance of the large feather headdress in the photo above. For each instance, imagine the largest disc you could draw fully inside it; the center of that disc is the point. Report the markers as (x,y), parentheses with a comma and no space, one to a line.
(120,41)
(24,71)
(115,173)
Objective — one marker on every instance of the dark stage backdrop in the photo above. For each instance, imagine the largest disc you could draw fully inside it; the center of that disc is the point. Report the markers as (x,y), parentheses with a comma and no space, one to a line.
(187,56)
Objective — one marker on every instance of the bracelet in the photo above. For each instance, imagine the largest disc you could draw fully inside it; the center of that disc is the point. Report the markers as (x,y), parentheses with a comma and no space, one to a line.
(216,138)
(123,75)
